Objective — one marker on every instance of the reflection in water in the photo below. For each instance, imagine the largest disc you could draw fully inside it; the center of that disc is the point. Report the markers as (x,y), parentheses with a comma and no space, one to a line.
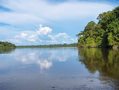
(6,50)
(106,62)
(33,58)
(59,69)
(42,57)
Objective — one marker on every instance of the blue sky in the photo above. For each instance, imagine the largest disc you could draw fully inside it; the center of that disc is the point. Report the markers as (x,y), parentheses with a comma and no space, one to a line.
(33,22)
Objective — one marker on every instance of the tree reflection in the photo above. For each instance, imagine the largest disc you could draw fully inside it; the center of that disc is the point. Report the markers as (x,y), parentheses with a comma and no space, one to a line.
(6,50)
(106,62)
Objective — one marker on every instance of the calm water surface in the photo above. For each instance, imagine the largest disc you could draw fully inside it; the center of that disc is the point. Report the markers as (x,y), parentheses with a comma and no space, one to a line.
(59,69)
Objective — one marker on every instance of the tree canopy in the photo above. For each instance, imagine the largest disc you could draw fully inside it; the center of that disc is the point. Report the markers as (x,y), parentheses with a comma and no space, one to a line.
(5,45)
(105,33)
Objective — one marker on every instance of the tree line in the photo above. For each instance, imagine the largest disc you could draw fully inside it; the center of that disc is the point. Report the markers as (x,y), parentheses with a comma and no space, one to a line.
(5,45)
(49,46)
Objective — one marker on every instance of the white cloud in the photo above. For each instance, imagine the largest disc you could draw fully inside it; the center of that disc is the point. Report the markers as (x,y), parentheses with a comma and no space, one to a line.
(29,36)
(44,30)
(15,18)
(61,38)
(42,11)
(24,34)
(43,35)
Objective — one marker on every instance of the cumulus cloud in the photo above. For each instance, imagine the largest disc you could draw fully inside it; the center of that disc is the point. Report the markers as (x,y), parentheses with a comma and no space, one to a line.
(43,35)
(61,38)
(44,30)
(27,36)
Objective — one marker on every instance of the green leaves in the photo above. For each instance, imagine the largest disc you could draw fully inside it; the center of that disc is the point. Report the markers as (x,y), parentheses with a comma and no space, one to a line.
(104,33)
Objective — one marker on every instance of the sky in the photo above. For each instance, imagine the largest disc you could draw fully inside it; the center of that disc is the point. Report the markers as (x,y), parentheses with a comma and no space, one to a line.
(39,22)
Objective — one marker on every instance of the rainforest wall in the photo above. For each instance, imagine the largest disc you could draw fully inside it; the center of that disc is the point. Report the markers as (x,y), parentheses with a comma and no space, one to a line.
(105,33)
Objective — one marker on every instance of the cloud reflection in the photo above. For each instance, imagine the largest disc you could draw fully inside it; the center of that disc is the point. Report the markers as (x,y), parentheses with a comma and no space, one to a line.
(42,57)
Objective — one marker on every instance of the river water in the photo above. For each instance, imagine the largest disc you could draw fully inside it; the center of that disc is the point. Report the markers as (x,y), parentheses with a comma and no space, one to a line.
(66,68)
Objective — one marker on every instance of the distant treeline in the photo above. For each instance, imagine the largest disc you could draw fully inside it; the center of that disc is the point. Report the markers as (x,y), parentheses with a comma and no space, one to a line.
(49,46)
(105,33)
(5,45)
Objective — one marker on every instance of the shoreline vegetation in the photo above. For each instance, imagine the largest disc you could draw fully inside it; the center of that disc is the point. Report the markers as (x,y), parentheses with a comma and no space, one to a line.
(6,47)
(103,34)
(48,46)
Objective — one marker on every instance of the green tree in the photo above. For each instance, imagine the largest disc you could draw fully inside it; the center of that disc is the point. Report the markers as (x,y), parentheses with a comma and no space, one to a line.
(103,34)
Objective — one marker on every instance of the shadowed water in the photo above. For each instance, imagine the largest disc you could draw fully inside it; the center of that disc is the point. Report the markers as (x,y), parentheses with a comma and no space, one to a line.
(59,69)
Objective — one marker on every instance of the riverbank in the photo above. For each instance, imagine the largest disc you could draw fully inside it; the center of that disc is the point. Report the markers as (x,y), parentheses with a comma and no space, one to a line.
(115,47)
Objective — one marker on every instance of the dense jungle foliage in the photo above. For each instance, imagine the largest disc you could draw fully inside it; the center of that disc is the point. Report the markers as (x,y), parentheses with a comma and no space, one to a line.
(105,33)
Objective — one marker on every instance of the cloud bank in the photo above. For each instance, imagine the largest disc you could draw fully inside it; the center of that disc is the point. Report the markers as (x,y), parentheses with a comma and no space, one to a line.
(19,17)
(43,35)
(35,11)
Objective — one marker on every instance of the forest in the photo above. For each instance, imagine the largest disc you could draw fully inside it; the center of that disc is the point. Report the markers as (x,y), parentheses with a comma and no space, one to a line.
(5,45)
(104,33)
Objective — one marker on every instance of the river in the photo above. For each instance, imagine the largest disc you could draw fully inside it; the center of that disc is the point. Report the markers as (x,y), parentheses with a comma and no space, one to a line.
(65,68)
